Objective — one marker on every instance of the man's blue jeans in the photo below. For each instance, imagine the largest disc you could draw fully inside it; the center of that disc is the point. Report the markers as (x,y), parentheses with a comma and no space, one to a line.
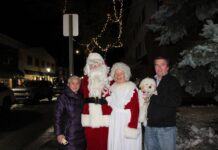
(163,138)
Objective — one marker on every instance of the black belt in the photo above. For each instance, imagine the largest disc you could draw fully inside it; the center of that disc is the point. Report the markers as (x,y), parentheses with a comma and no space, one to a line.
(95,100)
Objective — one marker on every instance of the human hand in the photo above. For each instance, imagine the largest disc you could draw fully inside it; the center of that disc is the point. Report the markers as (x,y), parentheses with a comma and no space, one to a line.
(106,91)
(61,139)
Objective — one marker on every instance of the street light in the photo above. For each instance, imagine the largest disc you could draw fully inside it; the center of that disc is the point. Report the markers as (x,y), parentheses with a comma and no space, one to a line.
(77,51)
(48,70)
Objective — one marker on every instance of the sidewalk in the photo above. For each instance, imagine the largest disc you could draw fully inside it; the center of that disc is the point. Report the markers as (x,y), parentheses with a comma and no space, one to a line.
(46,141)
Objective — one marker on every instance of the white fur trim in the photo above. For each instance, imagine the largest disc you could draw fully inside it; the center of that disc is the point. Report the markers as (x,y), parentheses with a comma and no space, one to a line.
(108,99)
(95,56)
(106,120)
(95,118)
(85,120)
(95,113)
(131,132)
(121,94)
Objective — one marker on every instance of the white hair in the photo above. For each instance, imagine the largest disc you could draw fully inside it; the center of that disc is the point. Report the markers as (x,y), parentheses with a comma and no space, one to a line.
(70,79)
(122,66)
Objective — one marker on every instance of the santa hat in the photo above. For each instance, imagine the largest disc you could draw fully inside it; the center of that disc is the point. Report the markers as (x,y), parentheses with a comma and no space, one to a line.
(94,57)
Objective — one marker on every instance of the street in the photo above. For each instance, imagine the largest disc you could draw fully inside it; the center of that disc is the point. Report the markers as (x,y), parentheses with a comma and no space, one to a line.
(30,127)
(25,123)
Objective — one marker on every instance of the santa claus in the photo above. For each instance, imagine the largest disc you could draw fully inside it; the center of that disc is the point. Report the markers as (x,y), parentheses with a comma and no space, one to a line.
(96,111)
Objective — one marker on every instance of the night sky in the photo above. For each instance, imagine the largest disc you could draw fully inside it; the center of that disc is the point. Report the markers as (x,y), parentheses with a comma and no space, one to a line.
(34,22)
(38,23)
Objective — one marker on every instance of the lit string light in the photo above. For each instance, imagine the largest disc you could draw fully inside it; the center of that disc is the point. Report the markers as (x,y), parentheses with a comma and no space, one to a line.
(118,20)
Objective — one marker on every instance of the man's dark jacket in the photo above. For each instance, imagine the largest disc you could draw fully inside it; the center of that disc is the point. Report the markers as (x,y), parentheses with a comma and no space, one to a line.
(162,107)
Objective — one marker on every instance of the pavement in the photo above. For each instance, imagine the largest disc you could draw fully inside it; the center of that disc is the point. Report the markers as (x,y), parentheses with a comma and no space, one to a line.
(46,141)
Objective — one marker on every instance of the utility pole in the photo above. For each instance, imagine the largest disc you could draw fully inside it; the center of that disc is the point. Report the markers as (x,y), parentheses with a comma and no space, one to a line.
(71,60)
(70,29)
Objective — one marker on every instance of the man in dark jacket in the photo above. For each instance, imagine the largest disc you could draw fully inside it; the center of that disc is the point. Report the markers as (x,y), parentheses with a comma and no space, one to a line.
(160,133)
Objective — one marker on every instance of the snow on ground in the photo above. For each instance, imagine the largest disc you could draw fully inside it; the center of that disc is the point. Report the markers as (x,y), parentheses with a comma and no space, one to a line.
(197,128)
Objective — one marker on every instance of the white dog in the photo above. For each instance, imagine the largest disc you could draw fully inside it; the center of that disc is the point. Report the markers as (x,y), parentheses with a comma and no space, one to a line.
(147,89)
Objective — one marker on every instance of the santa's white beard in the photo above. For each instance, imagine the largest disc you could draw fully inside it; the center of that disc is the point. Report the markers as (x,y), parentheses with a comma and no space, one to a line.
(97,80)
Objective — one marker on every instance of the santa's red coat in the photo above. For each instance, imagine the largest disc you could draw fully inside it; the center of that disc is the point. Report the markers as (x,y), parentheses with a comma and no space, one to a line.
(95,119)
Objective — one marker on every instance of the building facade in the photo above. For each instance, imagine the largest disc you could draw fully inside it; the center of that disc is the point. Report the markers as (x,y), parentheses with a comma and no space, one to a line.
(18,62)
(37,64)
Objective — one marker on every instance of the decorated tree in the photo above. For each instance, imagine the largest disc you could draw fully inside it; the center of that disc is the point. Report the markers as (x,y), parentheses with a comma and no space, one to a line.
(198,68)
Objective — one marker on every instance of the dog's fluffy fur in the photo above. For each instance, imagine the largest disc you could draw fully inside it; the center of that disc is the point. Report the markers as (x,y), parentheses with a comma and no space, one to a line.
(147,89)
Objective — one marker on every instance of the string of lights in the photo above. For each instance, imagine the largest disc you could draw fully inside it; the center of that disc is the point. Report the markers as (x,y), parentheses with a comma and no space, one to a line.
(117,19)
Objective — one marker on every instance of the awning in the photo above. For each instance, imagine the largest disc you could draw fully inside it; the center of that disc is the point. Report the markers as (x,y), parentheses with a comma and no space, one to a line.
(38,73)
(11,73)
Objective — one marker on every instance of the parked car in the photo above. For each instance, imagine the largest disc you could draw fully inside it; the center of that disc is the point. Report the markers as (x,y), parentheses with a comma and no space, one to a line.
(6,98)
(33,91)
(58,88)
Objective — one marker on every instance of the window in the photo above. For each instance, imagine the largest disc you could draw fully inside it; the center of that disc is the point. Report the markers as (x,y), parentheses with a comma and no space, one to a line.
(140,49)
(48,64)
(5,60)
(37,62)
(137,53)
(29,60)
(43,63)
(52,66)
(143,15)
